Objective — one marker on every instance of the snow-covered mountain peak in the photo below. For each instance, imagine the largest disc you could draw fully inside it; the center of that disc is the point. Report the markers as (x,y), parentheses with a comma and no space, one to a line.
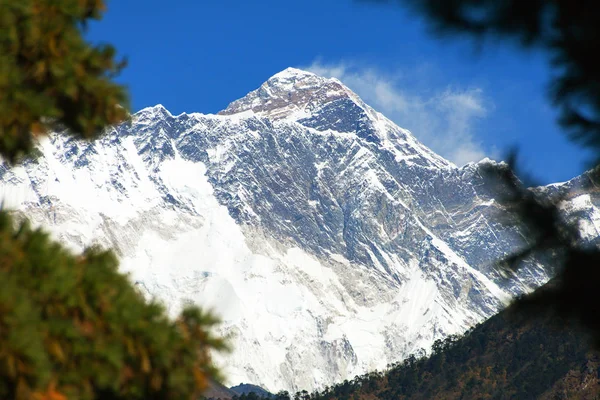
(151,113)
(327,105)
(292,94)
(294,74)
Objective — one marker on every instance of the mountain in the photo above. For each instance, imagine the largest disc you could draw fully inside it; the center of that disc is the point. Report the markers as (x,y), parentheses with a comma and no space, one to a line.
(330,241)
(509,356)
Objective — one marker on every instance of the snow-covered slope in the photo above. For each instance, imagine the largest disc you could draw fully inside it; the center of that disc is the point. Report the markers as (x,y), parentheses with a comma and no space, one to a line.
(329,240)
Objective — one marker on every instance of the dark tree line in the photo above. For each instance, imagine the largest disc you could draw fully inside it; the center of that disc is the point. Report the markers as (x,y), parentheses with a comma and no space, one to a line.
(503,358)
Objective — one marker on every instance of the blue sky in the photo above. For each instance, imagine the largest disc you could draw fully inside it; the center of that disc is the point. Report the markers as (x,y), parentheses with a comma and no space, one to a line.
(197,56)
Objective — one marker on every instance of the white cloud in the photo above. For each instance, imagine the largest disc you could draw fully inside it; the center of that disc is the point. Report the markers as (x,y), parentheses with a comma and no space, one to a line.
(444,120)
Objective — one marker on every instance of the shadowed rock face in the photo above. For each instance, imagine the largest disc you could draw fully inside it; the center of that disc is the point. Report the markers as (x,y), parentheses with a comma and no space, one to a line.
(329,239)
(244,388)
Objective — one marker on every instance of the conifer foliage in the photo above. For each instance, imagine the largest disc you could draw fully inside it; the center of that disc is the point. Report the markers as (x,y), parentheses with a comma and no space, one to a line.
(72,326)
(50,77)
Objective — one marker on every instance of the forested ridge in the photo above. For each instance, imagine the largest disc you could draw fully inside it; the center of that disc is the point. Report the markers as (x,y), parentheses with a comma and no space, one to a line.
(506,357)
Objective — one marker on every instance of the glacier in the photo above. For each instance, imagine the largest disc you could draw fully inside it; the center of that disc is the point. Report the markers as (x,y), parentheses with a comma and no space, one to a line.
(329,240)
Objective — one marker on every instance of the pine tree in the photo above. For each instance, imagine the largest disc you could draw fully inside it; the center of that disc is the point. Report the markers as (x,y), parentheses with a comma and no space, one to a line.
(72,326)
(50,77)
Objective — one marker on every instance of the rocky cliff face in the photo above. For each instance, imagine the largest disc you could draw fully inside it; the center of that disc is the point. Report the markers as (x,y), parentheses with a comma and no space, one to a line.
(329,239)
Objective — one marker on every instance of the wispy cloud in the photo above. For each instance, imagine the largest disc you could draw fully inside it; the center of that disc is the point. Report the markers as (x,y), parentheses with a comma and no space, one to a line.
(444,119)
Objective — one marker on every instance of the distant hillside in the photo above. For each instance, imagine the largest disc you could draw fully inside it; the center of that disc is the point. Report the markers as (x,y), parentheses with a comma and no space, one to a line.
(500,359)
(216,391)
(246,388)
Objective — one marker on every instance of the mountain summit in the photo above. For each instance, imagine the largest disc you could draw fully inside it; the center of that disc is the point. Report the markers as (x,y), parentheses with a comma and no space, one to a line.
(326,104)
(330,240)
(292,93)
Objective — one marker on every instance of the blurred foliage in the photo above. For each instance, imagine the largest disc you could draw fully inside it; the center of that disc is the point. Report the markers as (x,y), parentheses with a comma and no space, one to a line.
(50,77)
(73,327)
(571,293)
